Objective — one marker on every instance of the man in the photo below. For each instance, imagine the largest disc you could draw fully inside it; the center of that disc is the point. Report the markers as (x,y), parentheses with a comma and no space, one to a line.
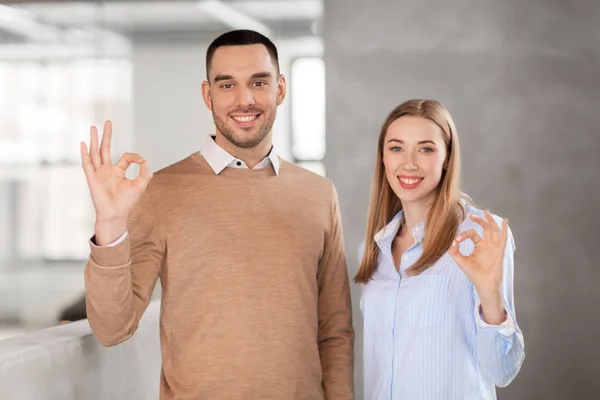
(248,248)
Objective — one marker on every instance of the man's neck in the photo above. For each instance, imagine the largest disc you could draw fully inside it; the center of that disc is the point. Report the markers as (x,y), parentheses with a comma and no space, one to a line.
(250,156)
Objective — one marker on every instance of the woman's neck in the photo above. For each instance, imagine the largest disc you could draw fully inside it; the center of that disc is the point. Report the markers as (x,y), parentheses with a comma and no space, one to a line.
(414,214)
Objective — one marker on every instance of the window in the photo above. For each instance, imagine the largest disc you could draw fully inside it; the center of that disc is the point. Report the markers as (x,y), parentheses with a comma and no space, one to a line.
(47,109)
(308,113)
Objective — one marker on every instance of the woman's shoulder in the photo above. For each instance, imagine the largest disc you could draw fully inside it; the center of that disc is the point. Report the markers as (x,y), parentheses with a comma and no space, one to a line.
(468,223)
(470,210)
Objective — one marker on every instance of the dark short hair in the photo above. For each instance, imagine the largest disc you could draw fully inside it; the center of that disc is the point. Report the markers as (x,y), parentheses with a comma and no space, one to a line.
(241,37)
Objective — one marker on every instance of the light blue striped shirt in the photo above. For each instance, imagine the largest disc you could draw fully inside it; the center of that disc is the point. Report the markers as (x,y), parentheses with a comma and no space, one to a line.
(424,338)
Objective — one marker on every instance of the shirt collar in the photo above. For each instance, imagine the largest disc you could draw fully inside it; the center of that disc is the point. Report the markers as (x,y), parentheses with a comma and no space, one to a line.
(389,232)
(219,159)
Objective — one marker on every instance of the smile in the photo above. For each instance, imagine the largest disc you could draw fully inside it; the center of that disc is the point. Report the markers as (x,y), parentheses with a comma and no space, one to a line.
(411,182)
(245,118)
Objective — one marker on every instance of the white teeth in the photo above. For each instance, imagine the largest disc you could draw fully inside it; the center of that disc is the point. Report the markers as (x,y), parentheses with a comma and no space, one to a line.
(410,181)
(245,119)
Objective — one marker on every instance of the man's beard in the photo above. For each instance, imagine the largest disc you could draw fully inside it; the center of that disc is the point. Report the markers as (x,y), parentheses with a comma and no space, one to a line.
(247,141)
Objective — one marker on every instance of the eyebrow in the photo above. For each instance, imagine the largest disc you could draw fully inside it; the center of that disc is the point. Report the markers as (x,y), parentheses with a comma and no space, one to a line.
(257,75)
(261,75)
(223,78)
(419,142)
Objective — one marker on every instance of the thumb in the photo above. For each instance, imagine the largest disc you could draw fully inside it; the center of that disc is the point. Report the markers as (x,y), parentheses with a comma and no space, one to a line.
(145,176)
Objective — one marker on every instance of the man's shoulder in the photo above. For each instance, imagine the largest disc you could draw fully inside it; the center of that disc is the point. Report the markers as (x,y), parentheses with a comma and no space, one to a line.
(313,188)
(176,175)
(304,175)
(185,165)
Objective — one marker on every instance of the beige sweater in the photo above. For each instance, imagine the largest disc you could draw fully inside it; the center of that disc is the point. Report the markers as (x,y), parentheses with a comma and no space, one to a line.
(255,293)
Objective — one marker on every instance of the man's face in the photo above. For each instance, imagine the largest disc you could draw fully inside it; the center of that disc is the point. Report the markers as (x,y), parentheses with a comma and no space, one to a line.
(243,92)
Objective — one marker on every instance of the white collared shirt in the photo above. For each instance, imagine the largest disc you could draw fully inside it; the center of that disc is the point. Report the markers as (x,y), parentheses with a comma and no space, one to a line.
(219,159)
(424,336)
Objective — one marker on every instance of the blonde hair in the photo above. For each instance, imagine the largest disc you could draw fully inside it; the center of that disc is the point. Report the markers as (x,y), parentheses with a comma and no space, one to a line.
(447,210)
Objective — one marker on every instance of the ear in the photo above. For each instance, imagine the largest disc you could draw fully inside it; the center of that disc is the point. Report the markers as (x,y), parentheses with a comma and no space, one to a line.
(281,89)
(206,95)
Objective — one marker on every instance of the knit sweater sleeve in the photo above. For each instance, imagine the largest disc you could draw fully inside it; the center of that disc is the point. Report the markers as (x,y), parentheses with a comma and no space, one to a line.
(336,335)
(120,279)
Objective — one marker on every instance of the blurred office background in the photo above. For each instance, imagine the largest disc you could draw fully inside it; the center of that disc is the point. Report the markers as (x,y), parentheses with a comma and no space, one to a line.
(522,80)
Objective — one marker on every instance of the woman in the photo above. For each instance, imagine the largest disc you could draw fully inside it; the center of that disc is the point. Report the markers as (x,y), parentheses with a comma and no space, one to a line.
(437,273)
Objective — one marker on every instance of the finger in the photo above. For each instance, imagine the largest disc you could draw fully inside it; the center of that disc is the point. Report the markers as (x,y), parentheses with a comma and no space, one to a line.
(457,256)
(484,224)
(94,155)
(145,176)
(491,220)
(487,222)
(88,168)
(491,230)
(105,144)
(481,221)
(470,234)
(127,159)
(503,238)
(504,231)
(494,231)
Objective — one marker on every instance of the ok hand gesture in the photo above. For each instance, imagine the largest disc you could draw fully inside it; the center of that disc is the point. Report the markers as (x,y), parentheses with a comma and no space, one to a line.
(483,267)
(113,195)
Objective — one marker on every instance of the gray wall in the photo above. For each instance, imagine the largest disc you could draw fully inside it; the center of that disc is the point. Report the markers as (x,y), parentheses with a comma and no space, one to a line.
(522,80)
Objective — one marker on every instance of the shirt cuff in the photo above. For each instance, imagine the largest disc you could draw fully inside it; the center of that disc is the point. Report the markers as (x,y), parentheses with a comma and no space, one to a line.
(114,254)
(120,240)
(506,328)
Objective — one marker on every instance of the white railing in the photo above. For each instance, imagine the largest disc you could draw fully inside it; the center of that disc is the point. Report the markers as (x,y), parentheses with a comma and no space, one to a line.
(66,362)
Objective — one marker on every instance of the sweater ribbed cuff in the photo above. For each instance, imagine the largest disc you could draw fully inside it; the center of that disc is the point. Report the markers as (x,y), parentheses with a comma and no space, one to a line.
(113,256)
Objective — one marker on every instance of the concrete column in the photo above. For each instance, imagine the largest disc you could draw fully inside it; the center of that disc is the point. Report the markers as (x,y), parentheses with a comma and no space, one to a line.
(522,80)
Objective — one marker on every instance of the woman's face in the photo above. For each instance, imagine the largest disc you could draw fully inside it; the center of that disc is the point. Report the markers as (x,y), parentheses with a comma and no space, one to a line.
(414,156)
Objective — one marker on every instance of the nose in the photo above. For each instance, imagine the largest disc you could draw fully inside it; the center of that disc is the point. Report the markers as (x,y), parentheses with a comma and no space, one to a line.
(245,97)
(409,163)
